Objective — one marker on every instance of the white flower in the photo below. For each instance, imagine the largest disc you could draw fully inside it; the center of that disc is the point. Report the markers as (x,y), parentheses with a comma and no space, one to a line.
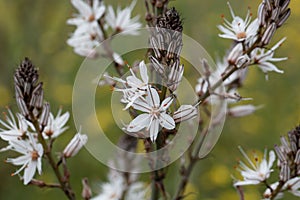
(155,114)
(239,29)
(257,172)
(13,130)
(31,160)
(117,185)
(134,87)
(84,44)
(264,58)
(74,146)
(56,126)
(112,190)
(122,21)
(88,15)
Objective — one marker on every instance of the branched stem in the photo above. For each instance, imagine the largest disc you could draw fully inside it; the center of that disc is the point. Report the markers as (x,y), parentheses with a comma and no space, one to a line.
(64,183)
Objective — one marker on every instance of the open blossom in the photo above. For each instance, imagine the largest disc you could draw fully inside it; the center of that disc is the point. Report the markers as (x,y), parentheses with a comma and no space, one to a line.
(257,171)
(84,44)
(134,87)
(31,160)
(239,29)
(117,186)
(121,21)
(87,16)
(56,125)
(155,114)
(13,129)
(74,146)
(264,58)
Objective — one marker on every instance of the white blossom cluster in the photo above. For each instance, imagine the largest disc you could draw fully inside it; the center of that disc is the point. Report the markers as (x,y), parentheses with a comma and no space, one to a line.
(21,136)
(94,20)
(247,50)
(143,96)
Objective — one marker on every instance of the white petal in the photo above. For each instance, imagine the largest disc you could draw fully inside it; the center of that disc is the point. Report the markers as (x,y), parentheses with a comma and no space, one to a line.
(141,105)
(29,172)
(21,160)
(166,121)
(134,82)
(272,158)
(138,123)
(246,182)
(154,127)
(143,72)
(99,11)
(166,104)
(83,8)
(152,98)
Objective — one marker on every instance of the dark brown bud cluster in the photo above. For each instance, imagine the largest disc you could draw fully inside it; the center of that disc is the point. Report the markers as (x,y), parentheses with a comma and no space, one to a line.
(166,45)
(272,14)
(166,37)
(288,153)
(170,20)
(29,92)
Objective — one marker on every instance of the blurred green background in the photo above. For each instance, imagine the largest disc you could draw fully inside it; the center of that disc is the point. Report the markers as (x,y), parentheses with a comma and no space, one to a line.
(38,29)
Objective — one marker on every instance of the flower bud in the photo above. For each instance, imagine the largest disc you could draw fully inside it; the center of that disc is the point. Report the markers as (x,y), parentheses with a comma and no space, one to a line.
(241,111)
(266,38)
(75,145)
(185,112)
(86,190)
(235,53)
(284,172)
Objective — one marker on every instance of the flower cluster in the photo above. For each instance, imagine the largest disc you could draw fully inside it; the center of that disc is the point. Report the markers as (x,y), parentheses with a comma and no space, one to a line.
(144,96)
(32,132)
(249,48)
(288,162)
(94,20)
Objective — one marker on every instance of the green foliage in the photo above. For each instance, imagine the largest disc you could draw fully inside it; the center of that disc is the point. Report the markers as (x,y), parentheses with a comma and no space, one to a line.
(38,29)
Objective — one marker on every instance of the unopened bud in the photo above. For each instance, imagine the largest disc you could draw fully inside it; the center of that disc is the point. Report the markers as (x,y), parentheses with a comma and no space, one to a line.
(283,17)
(243,110)
(175,75)
(157,66)
(266,38)
(235,53)
(284,172)
(284,5)
(86,190)
(297,157)
(262,14)
(285,145)
(280,154)
(45,114)
(77,142)
(185,112)
(243,61)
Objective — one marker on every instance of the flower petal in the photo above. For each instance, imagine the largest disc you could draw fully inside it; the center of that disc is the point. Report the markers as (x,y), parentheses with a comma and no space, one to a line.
(166,121)
(139,123)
